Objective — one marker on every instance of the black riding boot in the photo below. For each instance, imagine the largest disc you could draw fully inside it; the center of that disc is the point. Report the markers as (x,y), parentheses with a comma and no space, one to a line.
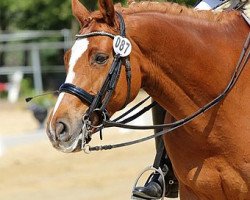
(153,188)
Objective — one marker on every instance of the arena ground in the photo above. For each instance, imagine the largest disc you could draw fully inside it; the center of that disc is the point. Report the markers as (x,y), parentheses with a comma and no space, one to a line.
(33,169)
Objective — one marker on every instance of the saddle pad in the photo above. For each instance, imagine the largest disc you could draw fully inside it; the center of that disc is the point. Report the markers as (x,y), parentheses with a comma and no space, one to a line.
(245,9)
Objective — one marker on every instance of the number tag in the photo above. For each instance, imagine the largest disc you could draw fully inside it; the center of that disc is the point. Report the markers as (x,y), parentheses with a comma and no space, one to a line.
(122,46)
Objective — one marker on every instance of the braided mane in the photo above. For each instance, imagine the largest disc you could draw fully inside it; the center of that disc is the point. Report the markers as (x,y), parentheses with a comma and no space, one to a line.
(176,9)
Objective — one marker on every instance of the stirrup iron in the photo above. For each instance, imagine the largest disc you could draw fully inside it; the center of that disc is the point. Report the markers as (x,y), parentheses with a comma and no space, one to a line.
(159,170)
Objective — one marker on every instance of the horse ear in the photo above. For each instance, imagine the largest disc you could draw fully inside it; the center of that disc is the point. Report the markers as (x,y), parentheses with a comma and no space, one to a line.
(79,11)
(130,1)
(106,7)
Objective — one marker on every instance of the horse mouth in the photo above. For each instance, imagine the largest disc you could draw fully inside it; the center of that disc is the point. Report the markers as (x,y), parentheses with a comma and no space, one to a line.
(72,137)
(74,143)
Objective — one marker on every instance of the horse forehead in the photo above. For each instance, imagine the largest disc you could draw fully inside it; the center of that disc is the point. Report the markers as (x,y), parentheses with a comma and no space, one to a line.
(78,49)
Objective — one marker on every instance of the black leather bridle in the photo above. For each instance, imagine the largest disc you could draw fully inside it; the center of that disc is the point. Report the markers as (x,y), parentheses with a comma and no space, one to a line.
(99,101)
(243,59)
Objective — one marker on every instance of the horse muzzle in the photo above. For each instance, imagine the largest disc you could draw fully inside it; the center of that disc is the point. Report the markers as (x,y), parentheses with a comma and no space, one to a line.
(67,139)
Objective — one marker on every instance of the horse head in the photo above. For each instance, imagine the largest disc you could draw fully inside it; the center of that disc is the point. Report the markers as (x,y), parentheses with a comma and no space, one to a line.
(88,63)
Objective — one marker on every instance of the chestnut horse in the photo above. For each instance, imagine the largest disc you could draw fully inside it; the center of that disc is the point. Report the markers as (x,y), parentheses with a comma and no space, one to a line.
(183,59)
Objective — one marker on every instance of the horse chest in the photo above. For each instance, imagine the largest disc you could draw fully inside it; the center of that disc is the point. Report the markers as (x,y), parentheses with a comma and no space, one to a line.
(218,176)
(214,164)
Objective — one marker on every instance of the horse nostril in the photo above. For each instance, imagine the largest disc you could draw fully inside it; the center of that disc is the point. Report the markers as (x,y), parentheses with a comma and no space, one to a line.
(62,132)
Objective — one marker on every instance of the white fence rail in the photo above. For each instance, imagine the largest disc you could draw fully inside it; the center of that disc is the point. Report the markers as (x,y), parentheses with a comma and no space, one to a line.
(34,48)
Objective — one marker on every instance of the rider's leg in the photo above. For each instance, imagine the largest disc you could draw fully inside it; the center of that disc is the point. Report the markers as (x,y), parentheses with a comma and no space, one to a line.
(154,186)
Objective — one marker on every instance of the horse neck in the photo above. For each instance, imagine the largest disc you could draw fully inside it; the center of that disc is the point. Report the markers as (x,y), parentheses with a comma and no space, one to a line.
(185,63)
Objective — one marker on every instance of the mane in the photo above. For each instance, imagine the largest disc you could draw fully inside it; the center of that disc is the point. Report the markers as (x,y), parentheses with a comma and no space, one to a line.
(176,9)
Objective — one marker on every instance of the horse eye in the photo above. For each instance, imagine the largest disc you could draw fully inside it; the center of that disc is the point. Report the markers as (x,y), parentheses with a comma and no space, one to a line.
(101,59)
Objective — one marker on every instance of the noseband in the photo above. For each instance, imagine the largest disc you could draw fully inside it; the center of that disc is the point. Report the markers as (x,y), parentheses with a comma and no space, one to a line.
(99,101)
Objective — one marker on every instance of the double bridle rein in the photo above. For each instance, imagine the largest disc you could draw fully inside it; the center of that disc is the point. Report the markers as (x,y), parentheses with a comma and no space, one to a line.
(98,103)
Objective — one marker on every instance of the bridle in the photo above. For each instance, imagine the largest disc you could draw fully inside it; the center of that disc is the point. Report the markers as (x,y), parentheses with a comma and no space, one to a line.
(98,102)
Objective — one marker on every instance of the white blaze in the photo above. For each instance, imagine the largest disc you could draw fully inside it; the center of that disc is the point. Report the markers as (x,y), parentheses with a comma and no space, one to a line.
(80,46)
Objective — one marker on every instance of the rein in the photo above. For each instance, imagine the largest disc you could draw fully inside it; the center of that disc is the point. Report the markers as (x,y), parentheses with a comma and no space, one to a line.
(98,102)
(244,57)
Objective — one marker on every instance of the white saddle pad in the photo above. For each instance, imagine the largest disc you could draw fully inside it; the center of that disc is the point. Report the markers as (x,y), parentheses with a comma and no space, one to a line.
(211,4)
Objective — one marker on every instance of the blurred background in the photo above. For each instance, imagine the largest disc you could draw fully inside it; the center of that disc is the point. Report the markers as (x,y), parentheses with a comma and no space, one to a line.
(33,38)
